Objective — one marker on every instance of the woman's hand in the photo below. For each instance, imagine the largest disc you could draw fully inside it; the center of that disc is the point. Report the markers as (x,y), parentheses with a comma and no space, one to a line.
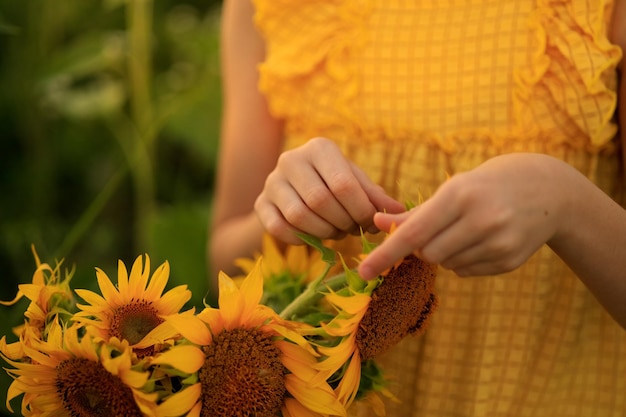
(314,189)
(483,222)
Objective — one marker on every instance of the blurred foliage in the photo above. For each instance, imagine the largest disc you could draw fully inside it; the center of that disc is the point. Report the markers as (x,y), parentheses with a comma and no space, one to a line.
(109,119)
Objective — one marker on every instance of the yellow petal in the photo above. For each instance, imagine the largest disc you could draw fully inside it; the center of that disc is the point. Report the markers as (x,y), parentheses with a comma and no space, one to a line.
(163,332)
(336,357)
(90,297)
(191,328)
(11,350)
(297,360)
(134,379)
(320,399)
(273,260)
(139,276)
(181,402)
(297,258)
(195,411)
(352,304)
(122,275)
(107,289)
(213,319)
(349,384)
(251,291)
(172,301)
(293,408)
(294,337)
(158,282)
(230,301)
(245,264)
(17,298)
(375,403)
(186,358)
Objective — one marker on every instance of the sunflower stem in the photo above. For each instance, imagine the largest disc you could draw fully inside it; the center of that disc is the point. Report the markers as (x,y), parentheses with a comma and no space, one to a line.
(312,294)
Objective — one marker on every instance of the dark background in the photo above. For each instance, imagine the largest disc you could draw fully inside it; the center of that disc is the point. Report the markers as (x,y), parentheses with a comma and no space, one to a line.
(109,121)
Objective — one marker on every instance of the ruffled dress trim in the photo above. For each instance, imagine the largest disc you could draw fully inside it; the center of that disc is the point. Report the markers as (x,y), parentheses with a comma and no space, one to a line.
(573,74)
(566,95)
(330,31)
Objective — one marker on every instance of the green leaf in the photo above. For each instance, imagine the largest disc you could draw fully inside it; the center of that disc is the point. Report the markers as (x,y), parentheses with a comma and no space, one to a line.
(367,245)
(328,255)
(355,282)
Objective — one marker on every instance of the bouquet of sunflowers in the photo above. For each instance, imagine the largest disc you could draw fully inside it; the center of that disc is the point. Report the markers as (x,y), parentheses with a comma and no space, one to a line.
(291,338)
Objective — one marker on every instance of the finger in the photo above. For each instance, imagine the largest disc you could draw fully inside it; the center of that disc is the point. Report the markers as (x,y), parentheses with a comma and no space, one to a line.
(480,269)
(339,176)
(455,239)
(496,256)
(384,221)
(320,199)
(298,214)
(377,194)
(411,236)
(274,222)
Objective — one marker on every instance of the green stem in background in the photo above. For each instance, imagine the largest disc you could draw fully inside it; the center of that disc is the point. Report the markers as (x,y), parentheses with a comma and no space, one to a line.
(139,17)
(312,293)
(88,217)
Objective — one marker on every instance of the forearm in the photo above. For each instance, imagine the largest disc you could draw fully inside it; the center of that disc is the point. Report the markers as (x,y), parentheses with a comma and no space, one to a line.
(231,239)
(592,242)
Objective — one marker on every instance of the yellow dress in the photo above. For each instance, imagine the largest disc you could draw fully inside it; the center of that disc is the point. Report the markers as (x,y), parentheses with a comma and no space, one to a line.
(416,90)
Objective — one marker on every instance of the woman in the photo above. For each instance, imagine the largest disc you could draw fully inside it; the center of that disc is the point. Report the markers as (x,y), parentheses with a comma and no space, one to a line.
(501,114)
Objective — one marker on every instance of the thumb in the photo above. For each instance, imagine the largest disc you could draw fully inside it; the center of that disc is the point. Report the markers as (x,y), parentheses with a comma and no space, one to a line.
(384,221)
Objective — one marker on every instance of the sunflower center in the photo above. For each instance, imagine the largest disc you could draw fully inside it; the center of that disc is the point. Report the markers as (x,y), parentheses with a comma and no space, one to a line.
(242,375)
(88,390)
(135,320)
(400,306)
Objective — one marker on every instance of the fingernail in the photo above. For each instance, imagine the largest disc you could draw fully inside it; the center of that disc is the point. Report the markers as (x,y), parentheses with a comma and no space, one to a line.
(372,229)
(366,273)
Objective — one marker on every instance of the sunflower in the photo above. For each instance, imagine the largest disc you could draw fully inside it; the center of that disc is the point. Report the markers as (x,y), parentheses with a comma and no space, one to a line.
(285,272)
(49,295)
(401,305)
(372,317)
(134,310)
(296,259)
(70,376)
(341,361)
(251,362)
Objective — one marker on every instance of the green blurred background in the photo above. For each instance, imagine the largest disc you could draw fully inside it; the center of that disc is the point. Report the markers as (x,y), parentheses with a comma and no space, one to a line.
(109,120)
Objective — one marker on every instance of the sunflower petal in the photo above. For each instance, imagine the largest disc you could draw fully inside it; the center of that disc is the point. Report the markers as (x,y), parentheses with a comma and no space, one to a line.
(122,275)
(172,301)
(191,328)
(352,304)
(13,350)
(161,333)
(297,360)
(320,399)
(230,301)
(186,358)
(195,411)
(293,408)
(107,289)
(273,262)
(158,282)
(349,384)
(90,297)
(181,402)
(252,290)
(294,337)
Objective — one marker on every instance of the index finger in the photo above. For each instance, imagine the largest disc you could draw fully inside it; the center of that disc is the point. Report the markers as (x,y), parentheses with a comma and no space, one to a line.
(411,236)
